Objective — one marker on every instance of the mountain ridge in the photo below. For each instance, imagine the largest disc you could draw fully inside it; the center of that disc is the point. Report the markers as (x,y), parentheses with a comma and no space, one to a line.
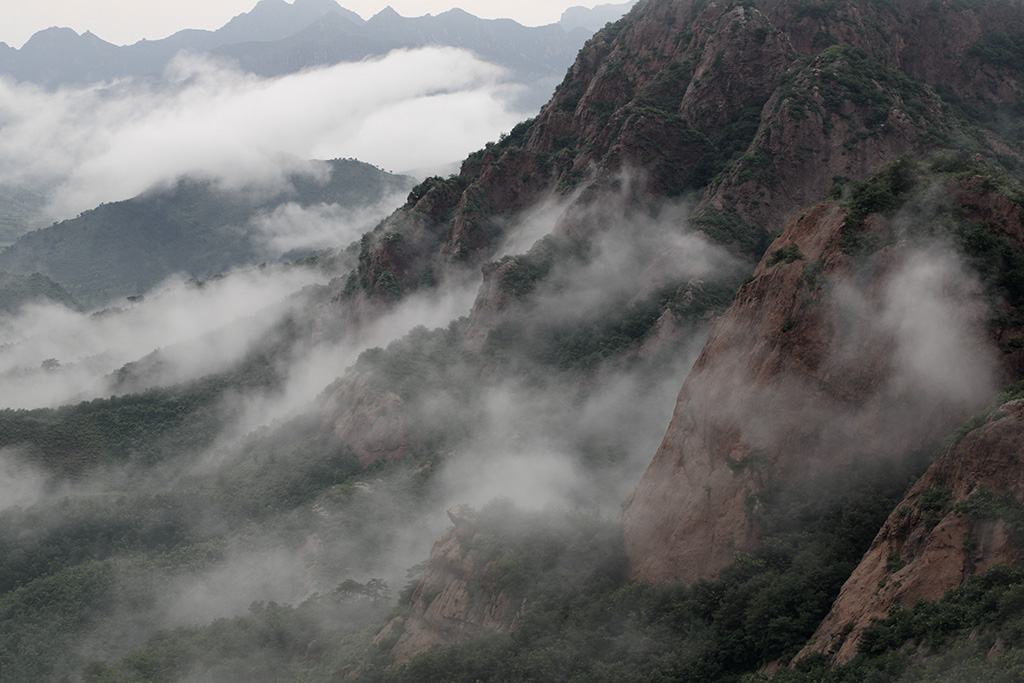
(858,171)
(191,228)
(260,38)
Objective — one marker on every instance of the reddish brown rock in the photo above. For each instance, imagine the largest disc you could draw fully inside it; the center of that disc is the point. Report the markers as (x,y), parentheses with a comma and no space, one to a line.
(654,95)
(929,545)
(373,423)
(823,358)
(454,600)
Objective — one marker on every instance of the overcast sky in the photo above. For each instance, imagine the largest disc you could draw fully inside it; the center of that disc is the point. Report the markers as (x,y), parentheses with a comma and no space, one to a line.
(127,21)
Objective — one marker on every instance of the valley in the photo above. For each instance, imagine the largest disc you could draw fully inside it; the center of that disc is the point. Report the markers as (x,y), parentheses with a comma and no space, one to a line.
(709,369)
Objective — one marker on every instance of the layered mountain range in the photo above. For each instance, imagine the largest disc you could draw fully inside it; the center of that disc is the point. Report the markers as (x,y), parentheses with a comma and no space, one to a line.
(752,282)
(277,38)
(195,227)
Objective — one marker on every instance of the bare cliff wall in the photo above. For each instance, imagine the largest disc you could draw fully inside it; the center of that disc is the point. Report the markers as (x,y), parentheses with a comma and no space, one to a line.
(828,355)
(951,525)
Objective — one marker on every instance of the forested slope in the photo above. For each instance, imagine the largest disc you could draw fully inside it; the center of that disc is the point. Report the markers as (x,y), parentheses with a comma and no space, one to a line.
(805,214)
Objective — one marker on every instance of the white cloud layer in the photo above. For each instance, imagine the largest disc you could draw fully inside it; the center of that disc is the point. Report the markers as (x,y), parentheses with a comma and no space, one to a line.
(410,109)
(50,355)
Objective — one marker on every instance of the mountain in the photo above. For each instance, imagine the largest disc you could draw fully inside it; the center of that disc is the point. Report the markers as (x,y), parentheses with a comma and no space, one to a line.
(272,20)
(959,521)
(537,57)
(125,248)
(59,56)
(17,291)
(593,19)
(761,111)
(723,351)
(277,38)
(826,370)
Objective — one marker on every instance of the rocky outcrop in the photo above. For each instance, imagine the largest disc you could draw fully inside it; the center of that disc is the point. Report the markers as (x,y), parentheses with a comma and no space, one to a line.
(758,107)
(372,422)
(961,518)
(455,600)
(855,338)
(828,355)
(754,108)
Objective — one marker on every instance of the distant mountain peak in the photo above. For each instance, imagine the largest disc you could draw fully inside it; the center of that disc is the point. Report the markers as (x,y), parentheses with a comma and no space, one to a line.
(60,38)
(272,20)
(322,5)
(386,13)
(593,19)
(52,34)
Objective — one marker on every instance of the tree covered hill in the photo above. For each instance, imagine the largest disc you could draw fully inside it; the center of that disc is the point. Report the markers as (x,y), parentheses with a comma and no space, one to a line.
(125,248)
(808,215)
(18,290)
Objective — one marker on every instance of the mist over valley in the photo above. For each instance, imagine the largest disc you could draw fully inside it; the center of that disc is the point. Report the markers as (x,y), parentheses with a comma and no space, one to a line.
(448,349)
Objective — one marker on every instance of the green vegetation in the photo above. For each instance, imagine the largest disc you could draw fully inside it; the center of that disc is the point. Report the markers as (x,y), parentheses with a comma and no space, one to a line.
(851,75)
(826,9)
(900,186)
(125,248)
(665,91)
(788,254)
(728,144)
(950,640)
(140,428)
(984,504)
(582,620)
(881,193)
(1010,393)
(760,609)
(727,227)
(1000,50)
(18,290)
(420,362)
(265,645)
(582,344)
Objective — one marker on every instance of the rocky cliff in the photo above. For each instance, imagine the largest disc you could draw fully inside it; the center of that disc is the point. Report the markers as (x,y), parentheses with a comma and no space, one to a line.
(875,321)
(744,111)
(754,107)
(960,519)
(830,354)
(456,598)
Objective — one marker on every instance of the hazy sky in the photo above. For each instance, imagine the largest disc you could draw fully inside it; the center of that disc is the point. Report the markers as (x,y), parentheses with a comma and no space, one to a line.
(127,21)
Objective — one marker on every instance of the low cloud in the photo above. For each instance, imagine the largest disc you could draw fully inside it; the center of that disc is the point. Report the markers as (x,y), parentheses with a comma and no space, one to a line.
(50,355)
(21,484)
(934,308)
(409,109)
(290,226)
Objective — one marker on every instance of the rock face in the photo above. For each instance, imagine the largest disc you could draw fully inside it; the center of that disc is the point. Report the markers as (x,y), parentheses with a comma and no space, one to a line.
(824,357)
(454,600)
(370,421)
(754,107)
(856,337)
(757,107)
(751,109)
(950,526)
